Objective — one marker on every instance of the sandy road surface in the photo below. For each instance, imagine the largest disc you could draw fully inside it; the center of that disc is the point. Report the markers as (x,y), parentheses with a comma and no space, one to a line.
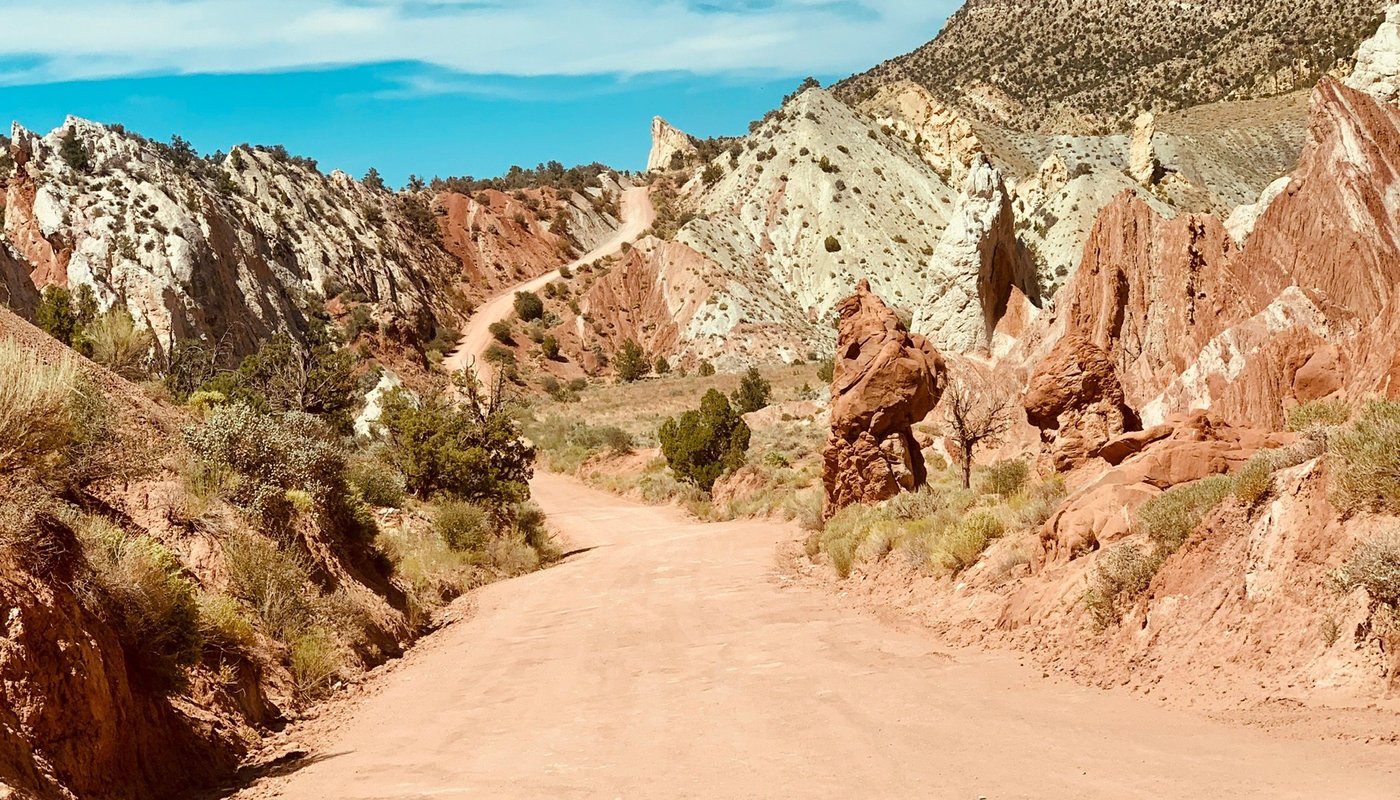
(672,660)
(637,215)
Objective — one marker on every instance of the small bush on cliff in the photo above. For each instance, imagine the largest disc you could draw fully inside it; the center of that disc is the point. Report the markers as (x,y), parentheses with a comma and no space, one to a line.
(36,417)
(378,483)
(702,445)
(753,392)
(464,527)
(706,369)
(832,244)
(1005,478)
(1169,518)
(119,344)
(1375,566)
(1367,470)
(57,316)
(156,610)
(528,306)
(73,152)
(1120,575)
(278,454)
(1317,414)
(631,362)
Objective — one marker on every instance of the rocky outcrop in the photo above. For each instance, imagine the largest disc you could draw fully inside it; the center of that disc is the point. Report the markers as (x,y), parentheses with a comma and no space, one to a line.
(227,249)
(667,142)
(1377,70)
(1143,164)
(976,267)
(503,239)
(1186,448)
(942,136)
(74,720)
(1076,401)
(885,380)
(1192,319)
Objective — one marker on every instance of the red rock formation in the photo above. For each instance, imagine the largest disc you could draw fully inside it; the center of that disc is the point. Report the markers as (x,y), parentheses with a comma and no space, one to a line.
(1184,449)
(1306,309)
(886,380)
(500,240)
(1076,401)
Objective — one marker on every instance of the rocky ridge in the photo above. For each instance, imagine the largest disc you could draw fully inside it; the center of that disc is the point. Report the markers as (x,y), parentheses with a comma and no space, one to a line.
(1088,66)
(233,248)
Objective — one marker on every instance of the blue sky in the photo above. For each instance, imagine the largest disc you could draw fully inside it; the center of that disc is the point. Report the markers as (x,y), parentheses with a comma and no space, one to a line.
(447,87)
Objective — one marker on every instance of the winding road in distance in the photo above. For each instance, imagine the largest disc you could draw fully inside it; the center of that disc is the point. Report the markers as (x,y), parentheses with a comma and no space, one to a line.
(637,215)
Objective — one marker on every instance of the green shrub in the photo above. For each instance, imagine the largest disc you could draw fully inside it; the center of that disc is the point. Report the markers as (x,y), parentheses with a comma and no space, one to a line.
(1253,481)
(223,625)
(826,370)
(1317,414)
(1172,515)
(630,362)
(117,343)
(753,392)
(378,483)
(1122,573)
(700,446)
(143,585)
(1375,566)
(662,366)
(549,348)
(273,581)
(317,660)
(706,369)
(464,527)
(528,306)
(1366,473)
(55,315)
(1005,478)
(832,244)
(962,544)
(470,449)
(276,454)
(36,406)
(500,329)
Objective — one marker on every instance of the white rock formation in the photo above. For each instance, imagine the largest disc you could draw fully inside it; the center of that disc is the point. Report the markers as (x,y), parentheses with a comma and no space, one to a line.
(374,403)
(666,141)
(227,249)
(940,135)
(974,268)
(1377,70)
(1143,165)
(1241,221)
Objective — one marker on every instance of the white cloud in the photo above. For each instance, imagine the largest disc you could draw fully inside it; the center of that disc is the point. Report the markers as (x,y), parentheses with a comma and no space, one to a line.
(89,39)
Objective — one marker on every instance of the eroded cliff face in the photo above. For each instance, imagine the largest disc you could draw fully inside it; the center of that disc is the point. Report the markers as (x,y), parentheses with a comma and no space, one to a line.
(233,248)
(1193,320)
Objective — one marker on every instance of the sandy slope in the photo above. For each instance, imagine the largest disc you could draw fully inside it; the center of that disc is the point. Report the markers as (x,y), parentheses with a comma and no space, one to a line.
(637,216)
(671,660)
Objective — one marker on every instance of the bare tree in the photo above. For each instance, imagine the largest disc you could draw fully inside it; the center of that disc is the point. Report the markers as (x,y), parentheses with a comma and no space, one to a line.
(978,415)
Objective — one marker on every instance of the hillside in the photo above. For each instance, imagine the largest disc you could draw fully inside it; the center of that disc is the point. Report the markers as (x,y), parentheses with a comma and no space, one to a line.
(1088,66)
(235,247)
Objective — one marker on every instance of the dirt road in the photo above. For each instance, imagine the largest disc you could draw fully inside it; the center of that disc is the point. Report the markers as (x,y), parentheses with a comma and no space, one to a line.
(672,660)
(637,215)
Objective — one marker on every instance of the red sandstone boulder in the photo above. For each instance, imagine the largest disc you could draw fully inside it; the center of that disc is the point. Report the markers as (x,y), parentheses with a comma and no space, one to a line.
(1076,401)
(1186,448)
(885,380)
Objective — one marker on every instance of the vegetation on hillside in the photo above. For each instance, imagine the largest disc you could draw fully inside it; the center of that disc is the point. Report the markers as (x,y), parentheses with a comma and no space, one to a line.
(1047,63)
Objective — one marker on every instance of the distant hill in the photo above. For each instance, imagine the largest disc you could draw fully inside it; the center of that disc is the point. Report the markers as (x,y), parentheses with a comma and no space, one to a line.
(1088,65)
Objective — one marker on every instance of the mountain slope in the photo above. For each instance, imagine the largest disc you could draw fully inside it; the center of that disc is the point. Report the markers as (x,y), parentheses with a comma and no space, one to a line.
(1086,64)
